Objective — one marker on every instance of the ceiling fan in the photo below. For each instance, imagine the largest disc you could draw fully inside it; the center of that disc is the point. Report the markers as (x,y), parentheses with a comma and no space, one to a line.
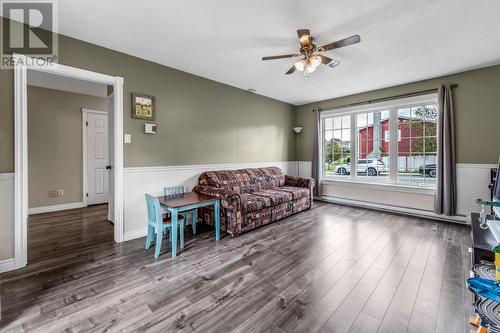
(311,52)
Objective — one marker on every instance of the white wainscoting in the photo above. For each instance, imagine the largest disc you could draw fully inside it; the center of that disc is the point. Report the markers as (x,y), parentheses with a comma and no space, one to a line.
(305,169)
(472,182)
(6,218)
(141,180)
(389,195)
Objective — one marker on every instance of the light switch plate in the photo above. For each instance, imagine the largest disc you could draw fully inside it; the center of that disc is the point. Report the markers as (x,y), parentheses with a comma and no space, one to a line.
(127,138)
(150,128)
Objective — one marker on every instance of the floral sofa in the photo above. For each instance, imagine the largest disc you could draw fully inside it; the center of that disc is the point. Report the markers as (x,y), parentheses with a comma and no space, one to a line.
(251,198)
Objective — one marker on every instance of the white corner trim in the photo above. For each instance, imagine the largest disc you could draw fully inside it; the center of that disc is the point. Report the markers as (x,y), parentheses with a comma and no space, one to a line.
(395,209)
(7,265)
(56,208)
(129,235)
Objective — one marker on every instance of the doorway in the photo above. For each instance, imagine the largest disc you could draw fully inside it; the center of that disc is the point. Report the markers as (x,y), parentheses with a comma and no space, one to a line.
(22,66)
(95,157)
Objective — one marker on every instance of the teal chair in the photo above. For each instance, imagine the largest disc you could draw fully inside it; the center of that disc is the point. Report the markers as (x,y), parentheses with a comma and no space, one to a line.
(179,190)
(159,225)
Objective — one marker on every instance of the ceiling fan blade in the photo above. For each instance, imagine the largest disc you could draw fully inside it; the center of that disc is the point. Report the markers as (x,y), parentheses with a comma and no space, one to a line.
(304,37)
(291,70)
(282,56)
(341,43)
(328,61)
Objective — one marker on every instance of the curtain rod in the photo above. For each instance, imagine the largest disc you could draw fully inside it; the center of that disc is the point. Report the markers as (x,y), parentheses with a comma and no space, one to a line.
(383,99)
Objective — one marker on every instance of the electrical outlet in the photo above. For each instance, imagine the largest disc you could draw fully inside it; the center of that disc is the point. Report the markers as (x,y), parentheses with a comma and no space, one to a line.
(60,193)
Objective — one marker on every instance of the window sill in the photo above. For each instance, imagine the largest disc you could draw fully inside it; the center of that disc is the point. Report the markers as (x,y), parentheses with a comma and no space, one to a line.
(382,186)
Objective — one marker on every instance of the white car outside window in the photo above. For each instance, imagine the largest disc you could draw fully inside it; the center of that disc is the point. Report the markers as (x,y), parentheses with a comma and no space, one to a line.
(370,167)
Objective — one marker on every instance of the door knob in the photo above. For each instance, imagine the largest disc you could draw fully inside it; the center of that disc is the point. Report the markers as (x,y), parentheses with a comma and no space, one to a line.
(108,167)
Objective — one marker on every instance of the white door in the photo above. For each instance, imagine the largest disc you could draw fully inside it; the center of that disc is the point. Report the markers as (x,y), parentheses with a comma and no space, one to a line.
(97,158)
(111,178)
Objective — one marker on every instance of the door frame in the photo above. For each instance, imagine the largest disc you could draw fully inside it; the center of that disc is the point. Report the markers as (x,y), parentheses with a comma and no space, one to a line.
(85,112)
(22,64)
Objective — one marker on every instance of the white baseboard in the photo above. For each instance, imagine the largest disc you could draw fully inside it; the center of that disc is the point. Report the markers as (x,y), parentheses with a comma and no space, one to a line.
(7,265)
(56,208)
(129,235)
(396,209)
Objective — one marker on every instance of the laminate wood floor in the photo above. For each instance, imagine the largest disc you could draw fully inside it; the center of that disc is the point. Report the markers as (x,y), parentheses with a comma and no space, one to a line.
(330,269)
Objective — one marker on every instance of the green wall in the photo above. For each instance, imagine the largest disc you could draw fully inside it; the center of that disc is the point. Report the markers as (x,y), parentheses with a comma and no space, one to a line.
(477,113)
(199,121)
(55,147)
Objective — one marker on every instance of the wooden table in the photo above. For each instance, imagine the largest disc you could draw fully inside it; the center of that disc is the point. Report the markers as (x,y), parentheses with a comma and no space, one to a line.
(188,201)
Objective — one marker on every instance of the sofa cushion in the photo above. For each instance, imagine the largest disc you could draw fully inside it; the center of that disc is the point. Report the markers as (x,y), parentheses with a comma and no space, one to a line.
(225,179)
(239,181)
(273,177)
(252,202)
(277,197)
(297,192)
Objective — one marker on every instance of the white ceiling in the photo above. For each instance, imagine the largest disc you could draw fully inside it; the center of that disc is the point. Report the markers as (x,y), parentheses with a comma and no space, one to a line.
(223,40)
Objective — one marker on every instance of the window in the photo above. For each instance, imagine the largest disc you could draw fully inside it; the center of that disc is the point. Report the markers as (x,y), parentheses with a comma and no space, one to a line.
(417,150)
(386,135)
(337,143)
(388,142)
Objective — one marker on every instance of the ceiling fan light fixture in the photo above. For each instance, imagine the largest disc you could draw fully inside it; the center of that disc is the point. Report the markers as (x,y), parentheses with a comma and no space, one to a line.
(309,50)
(300,65)
(315,61)
(310,66)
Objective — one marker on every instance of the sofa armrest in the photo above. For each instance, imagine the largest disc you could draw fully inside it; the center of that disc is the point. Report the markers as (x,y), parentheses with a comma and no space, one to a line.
(299,181)
(228,199)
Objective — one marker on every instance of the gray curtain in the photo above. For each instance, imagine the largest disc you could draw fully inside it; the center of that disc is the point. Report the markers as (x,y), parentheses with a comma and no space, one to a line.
(446,188)
(316,173)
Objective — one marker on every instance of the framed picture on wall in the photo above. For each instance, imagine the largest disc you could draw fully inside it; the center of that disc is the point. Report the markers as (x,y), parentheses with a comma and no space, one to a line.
(143,106)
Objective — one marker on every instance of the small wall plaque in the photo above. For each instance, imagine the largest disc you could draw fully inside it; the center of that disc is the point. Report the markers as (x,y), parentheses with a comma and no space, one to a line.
(143,106)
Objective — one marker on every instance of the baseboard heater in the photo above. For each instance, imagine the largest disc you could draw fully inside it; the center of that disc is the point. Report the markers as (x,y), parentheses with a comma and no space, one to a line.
(461,219)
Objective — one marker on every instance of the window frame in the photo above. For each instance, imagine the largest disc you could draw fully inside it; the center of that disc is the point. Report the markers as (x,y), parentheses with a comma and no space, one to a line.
(392,106)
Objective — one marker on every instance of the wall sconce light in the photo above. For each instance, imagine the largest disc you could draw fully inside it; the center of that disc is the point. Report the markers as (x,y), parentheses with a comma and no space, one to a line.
(298,129)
